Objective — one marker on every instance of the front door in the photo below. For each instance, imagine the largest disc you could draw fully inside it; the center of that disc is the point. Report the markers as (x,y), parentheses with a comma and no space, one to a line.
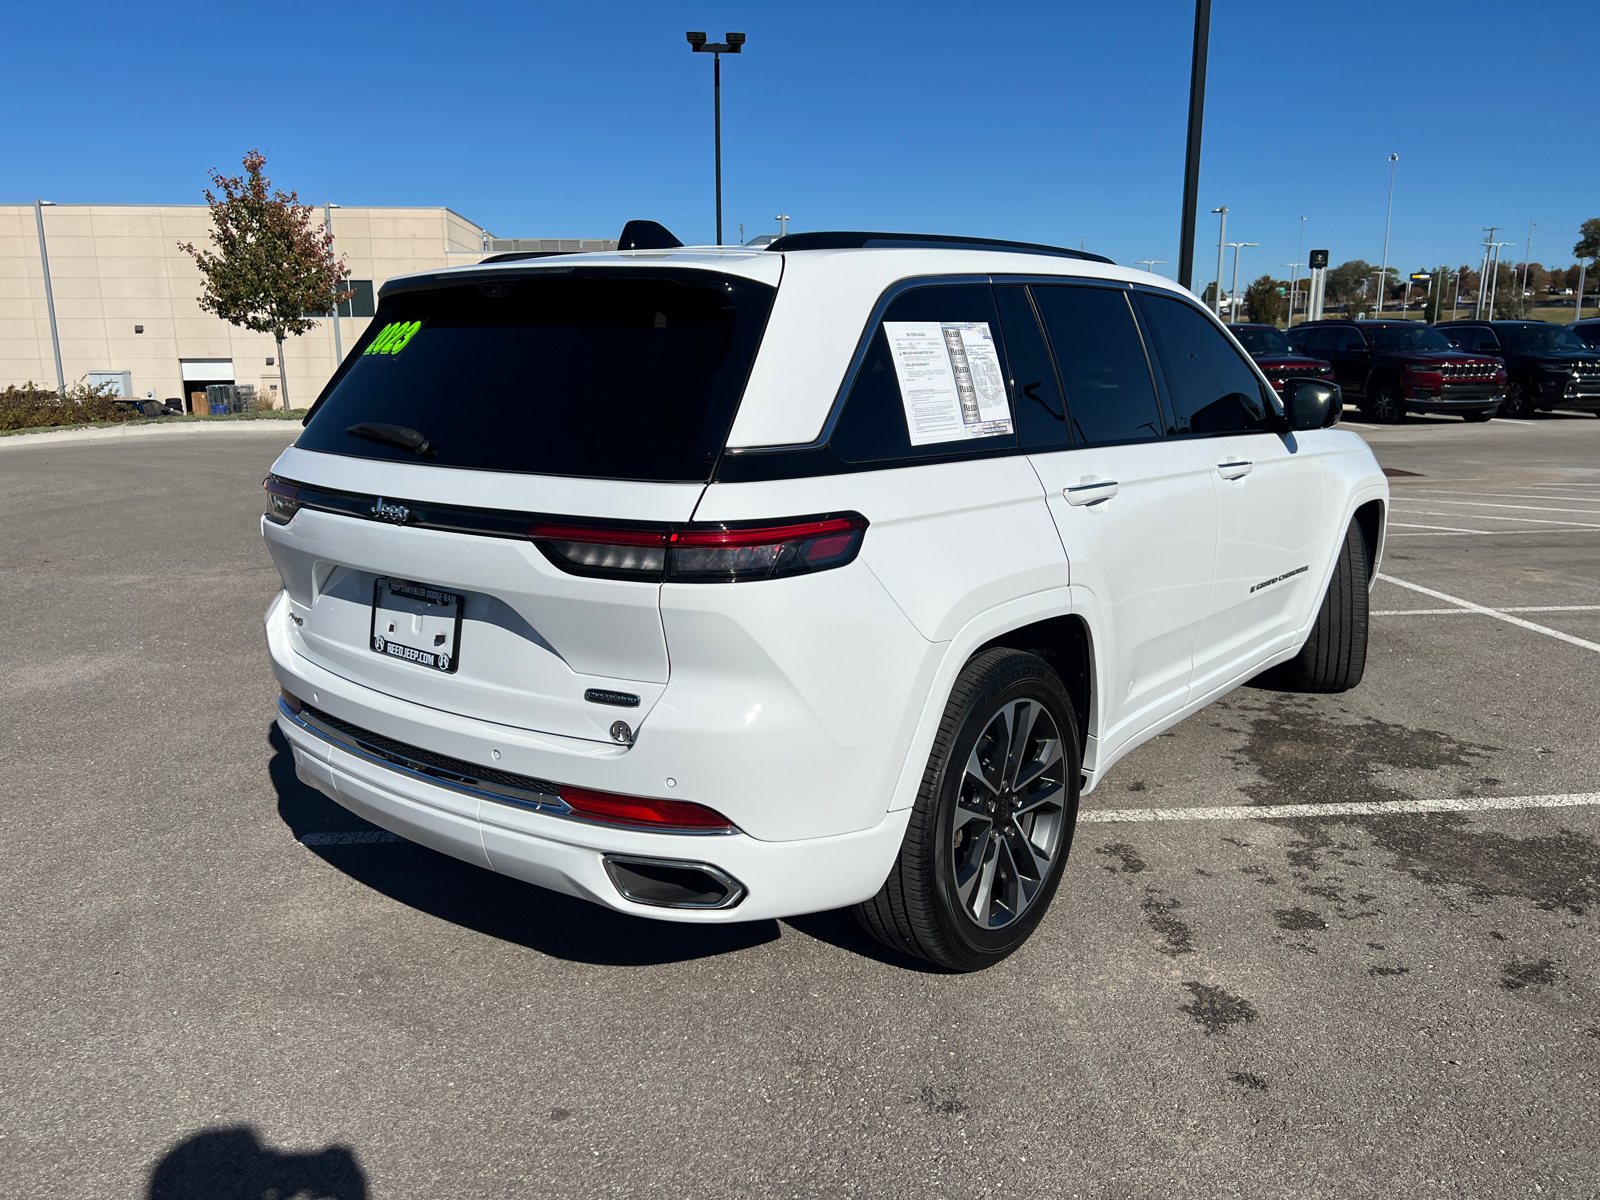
(1268,486)
(1135,510)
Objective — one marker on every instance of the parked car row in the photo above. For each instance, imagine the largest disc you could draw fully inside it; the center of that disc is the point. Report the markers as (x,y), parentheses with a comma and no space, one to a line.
(1473,369)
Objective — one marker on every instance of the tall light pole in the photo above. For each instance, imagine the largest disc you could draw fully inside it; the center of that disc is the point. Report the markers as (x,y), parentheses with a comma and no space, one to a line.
(1583,269)
(1494,276)
(50,295)
(783,223)
(338,346)
(734,44)
(1150,264)
(1222,233)
(1233,292)
(1383,274)
(1293,288)
(1526,254)
(1483,273)
(1191,159)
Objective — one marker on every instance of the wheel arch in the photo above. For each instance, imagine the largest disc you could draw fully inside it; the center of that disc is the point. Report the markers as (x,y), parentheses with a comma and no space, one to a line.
(1067,645)
(1369,518)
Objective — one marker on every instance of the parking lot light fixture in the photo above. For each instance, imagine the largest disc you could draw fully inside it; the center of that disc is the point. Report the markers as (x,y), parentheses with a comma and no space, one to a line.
(1150,264)
(1293,280)
(734,44)
(1383,272)
(1222,236)
(1583,270)
(1233,292)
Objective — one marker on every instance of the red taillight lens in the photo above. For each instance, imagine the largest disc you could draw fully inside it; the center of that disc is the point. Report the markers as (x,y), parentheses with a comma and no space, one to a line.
(644,813)
(703,554)
(282,500)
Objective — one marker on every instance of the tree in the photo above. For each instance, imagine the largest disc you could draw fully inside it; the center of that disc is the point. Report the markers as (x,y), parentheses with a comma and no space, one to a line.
(1589,239)
(1349,279)
(272,266)
(1263,302)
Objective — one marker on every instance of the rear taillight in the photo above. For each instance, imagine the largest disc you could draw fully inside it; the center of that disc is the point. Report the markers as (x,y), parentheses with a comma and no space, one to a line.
(282,500)
(704,553)
(644,813)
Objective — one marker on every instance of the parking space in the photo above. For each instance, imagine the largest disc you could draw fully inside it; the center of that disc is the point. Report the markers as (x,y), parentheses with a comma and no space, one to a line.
(1307,945)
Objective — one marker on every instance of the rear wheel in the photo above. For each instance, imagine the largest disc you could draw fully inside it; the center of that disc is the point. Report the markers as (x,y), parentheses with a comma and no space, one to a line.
(1382,402)
(993,821)
(1335,655)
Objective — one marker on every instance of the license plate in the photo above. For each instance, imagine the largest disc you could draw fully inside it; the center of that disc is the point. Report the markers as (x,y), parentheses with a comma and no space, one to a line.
(416,623)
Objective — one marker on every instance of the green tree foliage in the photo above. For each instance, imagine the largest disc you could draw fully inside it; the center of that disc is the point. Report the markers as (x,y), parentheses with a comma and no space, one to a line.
(1262,301)
(1588,245)
(1349,280)
(271,265)
(1507,285)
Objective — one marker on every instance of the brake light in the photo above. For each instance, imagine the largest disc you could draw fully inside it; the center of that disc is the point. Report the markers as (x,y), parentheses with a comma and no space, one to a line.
(644,813)
(703,553)
(282,500)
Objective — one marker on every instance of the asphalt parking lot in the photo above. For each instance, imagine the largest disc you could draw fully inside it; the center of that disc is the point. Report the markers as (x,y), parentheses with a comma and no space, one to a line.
(210,992)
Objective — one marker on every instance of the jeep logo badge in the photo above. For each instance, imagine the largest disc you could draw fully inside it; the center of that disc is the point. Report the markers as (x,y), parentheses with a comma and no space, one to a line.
(398,513)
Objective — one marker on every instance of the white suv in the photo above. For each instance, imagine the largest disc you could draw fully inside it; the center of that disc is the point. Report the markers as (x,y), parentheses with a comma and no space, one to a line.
(719,584)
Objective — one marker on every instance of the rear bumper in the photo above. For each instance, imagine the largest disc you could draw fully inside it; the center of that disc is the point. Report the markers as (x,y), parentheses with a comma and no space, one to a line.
(542,847)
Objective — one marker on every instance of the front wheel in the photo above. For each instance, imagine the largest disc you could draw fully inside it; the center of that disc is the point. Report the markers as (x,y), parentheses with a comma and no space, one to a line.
(1382,402)
(993,820)
(1335,655)
(1516,404)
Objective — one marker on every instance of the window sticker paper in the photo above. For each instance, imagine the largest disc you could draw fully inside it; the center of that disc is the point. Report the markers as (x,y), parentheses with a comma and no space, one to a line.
(950,380)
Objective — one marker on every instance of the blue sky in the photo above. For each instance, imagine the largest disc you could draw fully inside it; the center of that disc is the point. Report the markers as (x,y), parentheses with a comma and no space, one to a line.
(1044,122)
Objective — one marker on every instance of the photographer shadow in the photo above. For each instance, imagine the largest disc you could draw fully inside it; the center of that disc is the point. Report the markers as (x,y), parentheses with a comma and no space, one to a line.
(496,905)
(232,1163)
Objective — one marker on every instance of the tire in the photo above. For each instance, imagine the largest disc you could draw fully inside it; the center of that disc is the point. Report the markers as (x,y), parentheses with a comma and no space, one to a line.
(1335,655)
(1516,405)
(957,896)
(1473,418)
(1381,404)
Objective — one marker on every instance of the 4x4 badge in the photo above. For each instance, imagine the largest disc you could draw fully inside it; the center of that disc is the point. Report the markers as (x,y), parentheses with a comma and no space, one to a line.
(398,513)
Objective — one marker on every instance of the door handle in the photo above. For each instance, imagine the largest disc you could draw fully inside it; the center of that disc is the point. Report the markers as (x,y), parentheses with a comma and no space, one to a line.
(1235,468)
(1090,491)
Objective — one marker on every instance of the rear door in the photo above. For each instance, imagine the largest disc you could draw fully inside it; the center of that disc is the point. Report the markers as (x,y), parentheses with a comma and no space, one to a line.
(1268,486)
(483,491)
(1134,508)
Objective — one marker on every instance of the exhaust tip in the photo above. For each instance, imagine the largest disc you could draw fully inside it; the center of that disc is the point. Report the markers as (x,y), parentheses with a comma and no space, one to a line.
(671,883)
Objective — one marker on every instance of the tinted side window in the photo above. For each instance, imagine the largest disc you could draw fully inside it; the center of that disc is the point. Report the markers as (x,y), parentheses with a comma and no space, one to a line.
(1213,389)
(873,425)
(1350,339)
(1041,420)
(1101,358)
(1487,341)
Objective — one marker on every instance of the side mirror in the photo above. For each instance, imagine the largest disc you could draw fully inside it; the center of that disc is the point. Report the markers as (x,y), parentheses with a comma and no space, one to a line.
(1311,404)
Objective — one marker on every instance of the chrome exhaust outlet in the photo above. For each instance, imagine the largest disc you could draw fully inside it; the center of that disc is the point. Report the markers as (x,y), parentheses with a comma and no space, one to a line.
(672,883)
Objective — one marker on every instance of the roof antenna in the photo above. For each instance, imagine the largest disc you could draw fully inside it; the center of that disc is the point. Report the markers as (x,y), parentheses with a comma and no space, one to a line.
(646,235)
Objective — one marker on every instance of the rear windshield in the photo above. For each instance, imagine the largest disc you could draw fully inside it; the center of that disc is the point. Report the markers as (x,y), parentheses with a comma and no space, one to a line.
(603,373)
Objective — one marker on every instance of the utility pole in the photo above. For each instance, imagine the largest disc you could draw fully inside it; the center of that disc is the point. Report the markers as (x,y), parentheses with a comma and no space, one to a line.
(1150,264)
(1191,161)
(699,45)
(1383,274)
(1526,254)
(1222,234)
(1233,292)
(50,296)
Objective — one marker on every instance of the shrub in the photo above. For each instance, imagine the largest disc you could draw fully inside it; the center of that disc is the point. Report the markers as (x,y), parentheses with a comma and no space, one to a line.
(31,406)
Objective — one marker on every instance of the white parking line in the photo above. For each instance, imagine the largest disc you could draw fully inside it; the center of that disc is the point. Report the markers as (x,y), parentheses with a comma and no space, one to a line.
(1468,612)
(1489,612)
(1425,512)
(1490,532)
(1443,528)
(1267,812)
(1529,507)
(1500,495)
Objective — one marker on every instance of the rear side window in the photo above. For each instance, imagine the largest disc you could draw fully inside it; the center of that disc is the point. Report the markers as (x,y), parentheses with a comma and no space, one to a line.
(1041,417)
(877,422)
(1212,387)
(1100,355)
(621,374)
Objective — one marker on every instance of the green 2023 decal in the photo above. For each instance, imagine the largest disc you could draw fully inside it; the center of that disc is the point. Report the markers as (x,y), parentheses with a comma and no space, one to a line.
(393,337)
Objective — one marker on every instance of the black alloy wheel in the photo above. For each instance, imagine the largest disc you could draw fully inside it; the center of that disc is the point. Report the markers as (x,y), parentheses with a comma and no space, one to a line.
(1382,403)
(993,822)
(1516,405)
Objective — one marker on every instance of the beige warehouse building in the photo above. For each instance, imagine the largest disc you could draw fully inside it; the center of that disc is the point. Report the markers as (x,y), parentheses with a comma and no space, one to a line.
(125,297)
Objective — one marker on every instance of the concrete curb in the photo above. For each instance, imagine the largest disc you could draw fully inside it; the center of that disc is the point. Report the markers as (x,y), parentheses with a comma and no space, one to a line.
(288,430)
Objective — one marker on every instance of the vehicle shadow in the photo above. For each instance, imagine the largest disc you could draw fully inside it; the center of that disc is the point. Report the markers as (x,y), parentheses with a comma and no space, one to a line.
(232,1163)
(495,905)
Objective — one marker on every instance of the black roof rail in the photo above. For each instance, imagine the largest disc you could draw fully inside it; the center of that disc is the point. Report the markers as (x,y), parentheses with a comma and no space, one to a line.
(858,240)
(519,255)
